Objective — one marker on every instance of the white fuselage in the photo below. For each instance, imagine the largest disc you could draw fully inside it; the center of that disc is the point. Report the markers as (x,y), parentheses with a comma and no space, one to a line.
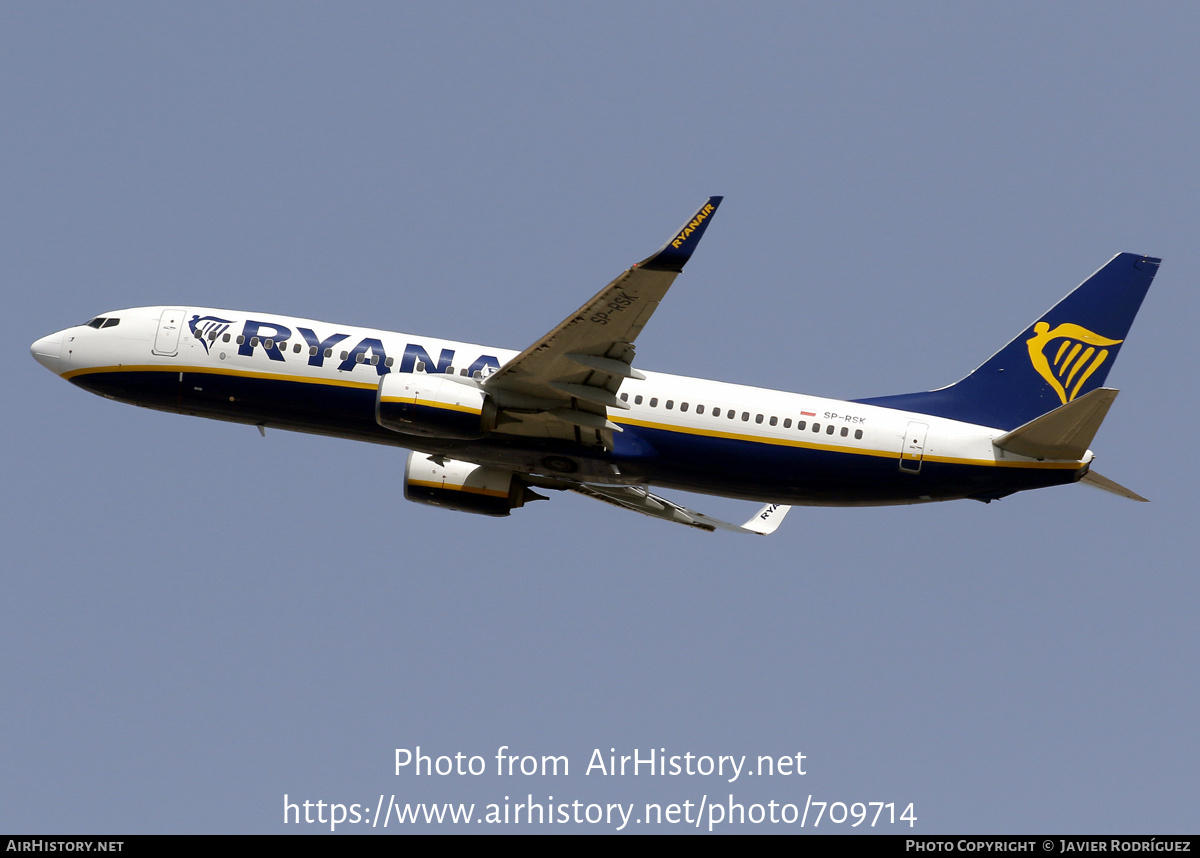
(691,433)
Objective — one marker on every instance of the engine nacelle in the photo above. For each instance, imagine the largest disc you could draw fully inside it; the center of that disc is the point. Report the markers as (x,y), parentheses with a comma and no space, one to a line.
(464,486)
(433,406)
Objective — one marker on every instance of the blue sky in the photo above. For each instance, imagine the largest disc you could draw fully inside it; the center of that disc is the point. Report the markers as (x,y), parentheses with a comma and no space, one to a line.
(196,621)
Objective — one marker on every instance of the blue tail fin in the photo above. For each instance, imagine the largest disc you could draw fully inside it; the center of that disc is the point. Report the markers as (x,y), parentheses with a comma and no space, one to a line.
(1063,355)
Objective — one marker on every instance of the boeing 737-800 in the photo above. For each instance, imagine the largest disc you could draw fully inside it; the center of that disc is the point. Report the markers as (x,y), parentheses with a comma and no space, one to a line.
(487,426)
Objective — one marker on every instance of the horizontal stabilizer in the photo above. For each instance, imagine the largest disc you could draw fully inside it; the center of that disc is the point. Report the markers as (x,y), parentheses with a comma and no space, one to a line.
(1064,433)
(1099,482)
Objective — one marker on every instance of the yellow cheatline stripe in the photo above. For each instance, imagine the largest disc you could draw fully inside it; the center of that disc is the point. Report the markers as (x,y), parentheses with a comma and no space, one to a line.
(209,370)
(628,421)
(735,436)
(475,490)
(856,451)
(466,409)
(1001,463)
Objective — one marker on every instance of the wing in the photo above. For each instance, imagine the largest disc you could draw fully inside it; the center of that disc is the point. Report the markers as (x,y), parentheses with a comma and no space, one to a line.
(563,385)
(638,499)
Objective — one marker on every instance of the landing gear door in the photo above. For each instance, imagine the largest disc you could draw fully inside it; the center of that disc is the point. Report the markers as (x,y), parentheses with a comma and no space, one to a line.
(170,325)
(913,450)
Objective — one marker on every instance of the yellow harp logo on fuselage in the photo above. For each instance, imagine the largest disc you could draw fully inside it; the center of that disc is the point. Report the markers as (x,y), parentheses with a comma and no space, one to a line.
(1079,354)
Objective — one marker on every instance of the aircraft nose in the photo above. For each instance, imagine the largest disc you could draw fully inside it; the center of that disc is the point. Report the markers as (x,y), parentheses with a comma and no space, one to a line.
(47,350)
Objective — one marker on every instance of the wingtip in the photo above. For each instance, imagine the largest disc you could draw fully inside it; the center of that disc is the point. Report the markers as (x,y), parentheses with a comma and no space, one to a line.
(675,253)
(767,519)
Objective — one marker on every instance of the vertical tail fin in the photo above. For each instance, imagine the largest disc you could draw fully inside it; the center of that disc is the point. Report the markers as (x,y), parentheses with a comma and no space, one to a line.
(1063,355)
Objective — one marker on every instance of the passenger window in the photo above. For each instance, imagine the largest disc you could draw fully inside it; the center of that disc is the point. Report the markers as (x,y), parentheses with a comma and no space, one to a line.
(347,354)
(296,349)
(716,412)
(857,434)
(774,420)
(829,429)
(800,424)
(787,423)
(212,336)
(637,400)
(360,357)
(670,404)
(254,342)
(845,431)
(387,362)
(225,338)
(699,409)
(683,406)
(731,414)
(624,397)
(758,418)
(241,339)
(328,353)
(816,427)
(268,344)
(654,402)
(745,416)
(463,371)
(374,360)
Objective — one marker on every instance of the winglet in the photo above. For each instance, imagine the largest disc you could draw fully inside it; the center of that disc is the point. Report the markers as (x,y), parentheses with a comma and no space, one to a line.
(766,519)
(675,253)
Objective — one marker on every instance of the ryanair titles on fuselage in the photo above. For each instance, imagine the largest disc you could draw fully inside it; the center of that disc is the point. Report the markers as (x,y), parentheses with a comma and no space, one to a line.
(268,335)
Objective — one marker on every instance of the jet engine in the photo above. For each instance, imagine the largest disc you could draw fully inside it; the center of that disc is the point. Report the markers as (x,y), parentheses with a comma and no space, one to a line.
(464,486)
(433,406)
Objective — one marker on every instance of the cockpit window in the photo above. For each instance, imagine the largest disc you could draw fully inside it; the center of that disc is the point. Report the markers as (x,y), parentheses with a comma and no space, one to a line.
(111,323)
(101,322)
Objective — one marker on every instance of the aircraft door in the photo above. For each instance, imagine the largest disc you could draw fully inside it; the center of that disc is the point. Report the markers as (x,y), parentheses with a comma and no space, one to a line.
(170,325)
(913,451)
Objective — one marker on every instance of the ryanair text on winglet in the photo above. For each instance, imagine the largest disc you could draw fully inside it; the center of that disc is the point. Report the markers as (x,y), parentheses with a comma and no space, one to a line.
(692,226)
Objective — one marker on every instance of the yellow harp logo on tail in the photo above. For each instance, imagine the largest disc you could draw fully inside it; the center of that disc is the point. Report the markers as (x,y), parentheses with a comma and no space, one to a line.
(1067,365)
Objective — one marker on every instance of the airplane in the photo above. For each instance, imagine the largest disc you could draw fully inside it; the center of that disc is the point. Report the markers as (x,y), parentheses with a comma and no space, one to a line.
(488,426)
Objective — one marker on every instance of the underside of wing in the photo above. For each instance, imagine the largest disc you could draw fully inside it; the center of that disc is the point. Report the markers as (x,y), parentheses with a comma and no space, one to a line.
(638,499)
(563,385)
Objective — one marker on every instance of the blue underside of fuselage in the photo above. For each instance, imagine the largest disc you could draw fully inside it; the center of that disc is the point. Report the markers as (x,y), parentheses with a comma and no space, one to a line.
(701,463)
